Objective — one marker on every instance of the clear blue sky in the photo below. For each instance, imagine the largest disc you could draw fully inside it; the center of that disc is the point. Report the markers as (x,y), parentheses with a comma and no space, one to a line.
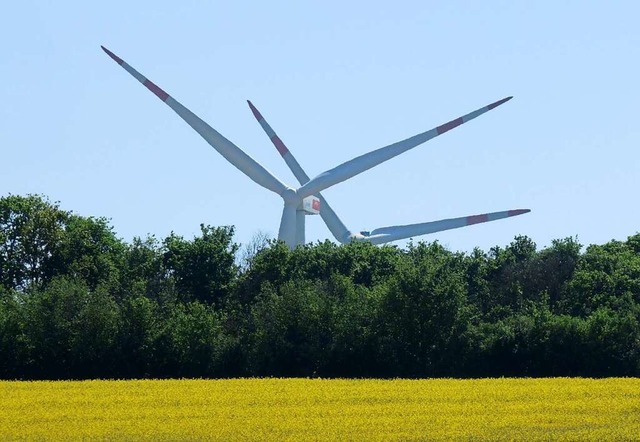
(335,79)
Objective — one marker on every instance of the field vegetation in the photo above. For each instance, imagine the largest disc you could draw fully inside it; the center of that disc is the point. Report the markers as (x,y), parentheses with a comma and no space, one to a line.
(312,409)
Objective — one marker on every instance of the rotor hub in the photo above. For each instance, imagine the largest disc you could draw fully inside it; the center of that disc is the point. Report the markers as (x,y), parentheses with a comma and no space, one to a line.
(290,197)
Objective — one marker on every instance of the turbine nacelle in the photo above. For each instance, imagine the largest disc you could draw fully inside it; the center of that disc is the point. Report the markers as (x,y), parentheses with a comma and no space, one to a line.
(311,205)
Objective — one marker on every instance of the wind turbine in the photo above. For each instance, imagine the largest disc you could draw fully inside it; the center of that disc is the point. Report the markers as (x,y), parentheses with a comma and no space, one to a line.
(381,235)
(293,198)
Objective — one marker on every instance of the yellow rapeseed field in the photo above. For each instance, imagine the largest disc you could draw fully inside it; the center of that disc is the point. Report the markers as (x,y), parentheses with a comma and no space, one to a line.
(319,409)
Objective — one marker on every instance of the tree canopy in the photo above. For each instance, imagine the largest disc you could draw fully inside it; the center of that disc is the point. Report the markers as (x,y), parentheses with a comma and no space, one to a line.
(76,301)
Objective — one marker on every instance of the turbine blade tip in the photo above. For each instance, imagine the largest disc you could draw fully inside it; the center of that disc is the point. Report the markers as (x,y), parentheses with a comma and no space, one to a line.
(112,55)
(256,112)
(499,102)
(518,212)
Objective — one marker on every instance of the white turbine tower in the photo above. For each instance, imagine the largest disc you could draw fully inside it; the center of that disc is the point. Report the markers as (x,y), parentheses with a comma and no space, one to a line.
(293,198)
(384,234)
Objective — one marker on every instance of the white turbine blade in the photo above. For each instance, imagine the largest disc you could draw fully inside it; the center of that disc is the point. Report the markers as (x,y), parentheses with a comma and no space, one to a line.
(335,225)
(297,170)
(226,148)
(388,234)
(367,161)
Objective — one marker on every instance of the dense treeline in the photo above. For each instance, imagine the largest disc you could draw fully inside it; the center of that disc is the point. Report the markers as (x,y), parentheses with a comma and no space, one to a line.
(77,302)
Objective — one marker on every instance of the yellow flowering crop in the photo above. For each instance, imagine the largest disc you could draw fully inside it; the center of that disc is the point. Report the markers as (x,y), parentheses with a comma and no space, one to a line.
(318,409)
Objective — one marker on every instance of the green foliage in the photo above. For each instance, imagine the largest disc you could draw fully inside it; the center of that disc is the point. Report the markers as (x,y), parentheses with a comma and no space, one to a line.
(89,251)
(70,331)
(606,276)
(14,353)
(30,230)
(290,330)
(353,321)
(613,342)
(94,343)
(38,242)
(204,268)
(141,326)
(192,343)
(77,302)
(534,342)
(364,263)
(423,311)
(143,270)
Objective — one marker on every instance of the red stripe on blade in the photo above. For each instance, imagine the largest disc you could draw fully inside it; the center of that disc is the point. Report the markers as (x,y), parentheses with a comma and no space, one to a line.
(279,145)
(156,90)
(450,125)
(476,219)
(518,212)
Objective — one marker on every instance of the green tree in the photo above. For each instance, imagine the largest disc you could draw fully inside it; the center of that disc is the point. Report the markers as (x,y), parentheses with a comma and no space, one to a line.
(31,228)
(613,343)
(290,330)
(509,278)
(606,276)
(144,272)
(553,269)
(14,352)
(423,312)
(270,265)
(90,251)
(51,324)
(140,329)
(353,315)
(39,241)
(204,269)
(193,342)
(94,345)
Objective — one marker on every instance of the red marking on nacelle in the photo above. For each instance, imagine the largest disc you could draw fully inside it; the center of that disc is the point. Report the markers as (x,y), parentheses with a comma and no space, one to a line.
(279,145)
(450,125)
(112,55)
(156,90)
(315,205)
(476,219)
